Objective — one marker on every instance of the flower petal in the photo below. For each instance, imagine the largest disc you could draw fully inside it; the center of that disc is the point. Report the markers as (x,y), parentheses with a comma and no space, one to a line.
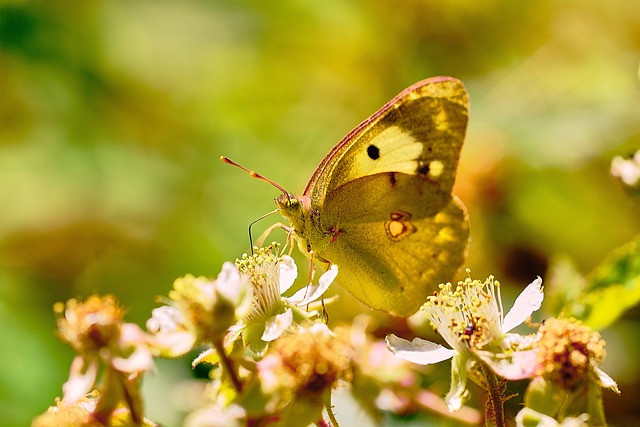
(519,342)
(418,351)
(207,356)
(288,272)
(139,360)
(229,276)
(276,325)
(168,333)
(312,292)
(458,393)
(82,377)
(527,302)
(605,380)
(512,366)
(233,287)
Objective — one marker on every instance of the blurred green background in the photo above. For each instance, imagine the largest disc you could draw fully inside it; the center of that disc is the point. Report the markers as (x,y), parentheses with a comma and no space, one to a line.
(113,116)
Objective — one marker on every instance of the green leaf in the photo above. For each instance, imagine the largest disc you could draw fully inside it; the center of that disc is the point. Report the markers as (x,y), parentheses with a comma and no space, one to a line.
(612,288)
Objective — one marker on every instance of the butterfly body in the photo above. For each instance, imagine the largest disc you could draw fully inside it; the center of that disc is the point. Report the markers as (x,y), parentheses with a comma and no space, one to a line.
(380,206)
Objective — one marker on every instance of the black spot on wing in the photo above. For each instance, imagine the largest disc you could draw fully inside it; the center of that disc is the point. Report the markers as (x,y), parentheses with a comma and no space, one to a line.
(373,152)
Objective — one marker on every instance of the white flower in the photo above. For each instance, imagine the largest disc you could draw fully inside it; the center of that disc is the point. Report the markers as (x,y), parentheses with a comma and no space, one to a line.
(270,277)
(272,313)
(470,319)
(94,328)
(169,331)
(628,170)
(128,355)
(276,325)
(200,309)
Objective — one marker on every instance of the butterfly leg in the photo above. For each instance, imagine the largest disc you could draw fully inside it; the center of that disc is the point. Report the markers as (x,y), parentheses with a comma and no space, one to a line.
(312,269)
(260,241)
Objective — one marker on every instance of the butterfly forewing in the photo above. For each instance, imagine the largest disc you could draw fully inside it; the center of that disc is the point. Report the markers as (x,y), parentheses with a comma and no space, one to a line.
(419,132)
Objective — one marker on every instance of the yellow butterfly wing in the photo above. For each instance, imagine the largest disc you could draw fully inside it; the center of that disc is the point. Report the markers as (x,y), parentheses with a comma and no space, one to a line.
(380,202)
(397,242)
(425,123)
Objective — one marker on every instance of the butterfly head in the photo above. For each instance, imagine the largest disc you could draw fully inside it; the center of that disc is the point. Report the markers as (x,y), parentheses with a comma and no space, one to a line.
(295,209)
(291,205)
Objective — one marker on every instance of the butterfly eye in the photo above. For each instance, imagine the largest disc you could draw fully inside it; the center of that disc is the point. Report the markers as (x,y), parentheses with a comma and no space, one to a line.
(373,152)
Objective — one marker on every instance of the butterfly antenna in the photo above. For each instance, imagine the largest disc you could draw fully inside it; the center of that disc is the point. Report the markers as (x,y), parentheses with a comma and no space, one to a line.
(255,175)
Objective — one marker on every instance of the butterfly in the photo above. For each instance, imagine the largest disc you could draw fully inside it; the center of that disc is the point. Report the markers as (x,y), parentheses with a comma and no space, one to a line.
(380,206)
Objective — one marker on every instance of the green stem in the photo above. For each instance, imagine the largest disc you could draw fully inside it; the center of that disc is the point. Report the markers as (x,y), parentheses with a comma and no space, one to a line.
(494,411)
(227,365)
(329,408)
(133,398)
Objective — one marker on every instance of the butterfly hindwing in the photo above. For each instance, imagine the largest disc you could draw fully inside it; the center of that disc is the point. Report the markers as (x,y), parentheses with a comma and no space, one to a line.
(395,245)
